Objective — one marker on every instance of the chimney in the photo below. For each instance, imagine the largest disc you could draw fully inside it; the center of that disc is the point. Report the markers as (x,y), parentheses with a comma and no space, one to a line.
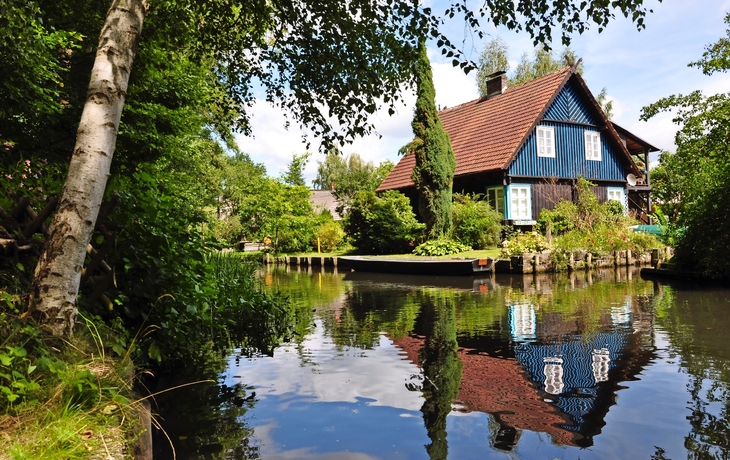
(496,84)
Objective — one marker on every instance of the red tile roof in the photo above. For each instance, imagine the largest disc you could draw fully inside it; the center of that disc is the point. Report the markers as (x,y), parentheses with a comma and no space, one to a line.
(500,386)
(486,133)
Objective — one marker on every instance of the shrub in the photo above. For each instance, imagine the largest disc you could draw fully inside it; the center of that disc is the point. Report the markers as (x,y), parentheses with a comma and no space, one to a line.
(523,243)
(476,224)
(606,238)
(440,247)
(382,225)
(329,235)
(561,218)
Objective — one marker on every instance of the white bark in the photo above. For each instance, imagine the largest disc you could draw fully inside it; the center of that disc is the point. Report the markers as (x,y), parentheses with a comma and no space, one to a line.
(58,273)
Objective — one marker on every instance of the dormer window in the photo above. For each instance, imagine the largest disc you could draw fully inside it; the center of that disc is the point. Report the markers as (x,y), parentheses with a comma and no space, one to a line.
(546,141)
(593,145)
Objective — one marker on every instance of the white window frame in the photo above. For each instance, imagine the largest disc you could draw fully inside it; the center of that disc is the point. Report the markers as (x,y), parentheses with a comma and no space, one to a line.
(545,137)
(495,196)
(592,145)
(617,194)
(514,199)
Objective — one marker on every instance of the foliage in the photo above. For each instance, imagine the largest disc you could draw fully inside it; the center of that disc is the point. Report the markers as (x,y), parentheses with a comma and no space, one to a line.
(31,178)
(184,302)
(670,232)
(476,224)
(50,393)
(255,207)
(522,243)
(544,62)
(433,173)
(294,175)
(605,238)
(440,247)
(589,225)
(584,214)
(382,225)
(329,236)
(561,219)
(347,175)
(605,103)
(669,183)
(493,58)
(697,180)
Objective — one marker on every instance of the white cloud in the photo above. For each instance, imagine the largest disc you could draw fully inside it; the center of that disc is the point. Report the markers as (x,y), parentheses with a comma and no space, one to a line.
(636,67)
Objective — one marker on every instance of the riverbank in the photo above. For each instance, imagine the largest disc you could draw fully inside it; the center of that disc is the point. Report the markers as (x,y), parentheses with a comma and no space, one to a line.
(69,399)
(545,261)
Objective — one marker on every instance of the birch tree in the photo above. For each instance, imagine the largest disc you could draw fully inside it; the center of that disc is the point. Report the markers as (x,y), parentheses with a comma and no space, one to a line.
(58,272)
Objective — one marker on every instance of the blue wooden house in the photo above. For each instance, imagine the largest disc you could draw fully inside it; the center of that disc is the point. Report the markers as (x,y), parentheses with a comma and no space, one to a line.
(523,147)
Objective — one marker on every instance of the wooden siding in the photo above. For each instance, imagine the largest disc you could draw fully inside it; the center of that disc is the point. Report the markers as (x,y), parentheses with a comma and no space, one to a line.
(545,195)
(568,106)
(570,159)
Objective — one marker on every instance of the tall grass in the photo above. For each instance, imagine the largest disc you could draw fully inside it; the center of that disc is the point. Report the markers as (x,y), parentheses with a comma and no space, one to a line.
(249,317)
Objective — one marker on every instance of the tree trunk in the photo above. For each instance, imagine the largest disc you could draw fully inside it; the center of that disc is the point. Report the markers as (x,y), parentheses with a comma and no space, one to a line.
(58,273)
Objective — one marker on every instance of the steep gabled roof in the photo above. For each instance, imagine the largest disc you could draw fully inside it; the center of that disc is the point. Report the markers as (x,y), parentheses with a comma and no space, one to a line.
(486,133)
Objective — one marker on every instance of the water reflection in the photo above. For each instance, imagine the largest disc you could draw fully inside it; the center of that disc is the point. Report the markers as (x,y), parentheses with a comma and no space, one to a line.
(579,366)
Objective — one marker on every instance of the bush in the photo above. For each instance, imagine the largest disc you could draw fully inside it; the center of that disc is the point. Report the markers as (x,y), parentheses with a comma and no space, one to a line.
(329,235)
(382,225)
(440,247)
(561,218)
(606,238)
(476,224)
(523,243)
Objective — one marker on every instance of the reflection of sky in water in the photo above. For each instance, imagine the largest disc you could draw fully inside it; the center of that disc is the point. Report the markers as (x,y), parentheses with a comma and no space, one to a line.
(316,400)
(352,404)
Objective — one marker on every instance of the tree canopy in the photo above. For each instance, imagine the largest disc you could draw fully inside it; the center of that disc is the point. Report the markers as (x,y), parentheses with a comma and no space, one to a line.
(346,175)
(495,58)
(696,185)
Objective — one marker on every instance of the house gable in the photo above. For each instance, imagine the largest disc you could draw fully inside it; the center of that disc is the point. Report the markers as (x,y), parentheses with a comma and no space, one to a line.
(571,115)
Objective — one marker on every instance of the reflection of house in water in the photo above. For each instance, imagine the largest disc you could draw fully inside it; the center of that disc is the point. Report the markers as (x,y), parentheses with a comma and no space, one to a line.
(495,385)
(546,375)
(581,372)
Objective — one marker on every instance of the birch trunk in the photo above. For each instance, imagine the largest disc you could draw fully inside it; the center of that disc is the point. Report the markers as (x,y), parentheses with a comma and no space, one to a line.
(58,273)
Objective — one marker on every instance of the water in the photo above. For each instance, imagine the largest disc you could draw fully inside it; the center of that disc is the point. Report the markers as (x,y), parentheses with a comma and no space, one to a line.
(589,366)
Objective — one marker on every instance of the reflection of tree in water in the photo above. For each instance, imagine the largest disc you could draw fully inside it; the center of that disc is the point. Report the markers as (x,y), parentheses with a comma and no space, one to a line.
(698,326)
(366,313)
(205,421)
(441,370)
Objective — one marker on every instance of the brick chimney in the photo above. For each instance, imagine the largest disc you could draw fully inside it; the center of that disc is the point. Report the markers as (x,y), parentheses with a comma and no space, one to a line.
(496,84)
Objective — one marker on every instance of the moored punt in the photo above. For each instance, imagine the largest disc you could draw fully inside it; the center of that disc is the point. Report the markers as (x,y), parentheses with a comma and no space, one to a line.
(417,266)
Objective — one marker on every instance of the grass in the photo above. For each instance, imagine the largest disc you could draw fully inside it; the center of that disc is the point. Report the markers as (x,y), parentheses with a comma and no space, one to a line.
(81,405)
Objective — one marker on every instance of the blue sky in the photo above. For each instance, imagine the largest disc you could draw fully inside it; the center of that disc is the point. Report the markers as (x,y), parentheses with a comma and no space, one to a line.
(636,67)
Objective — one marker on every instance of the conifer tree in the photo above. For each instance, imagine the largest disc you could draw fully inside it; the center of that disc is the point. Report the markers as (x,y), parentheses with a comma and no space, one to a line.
(435,162)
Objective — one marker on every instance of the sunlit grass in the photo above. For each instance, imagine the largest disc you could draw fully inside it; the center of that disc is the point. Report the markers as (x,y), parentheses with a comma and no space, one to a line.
(81,404)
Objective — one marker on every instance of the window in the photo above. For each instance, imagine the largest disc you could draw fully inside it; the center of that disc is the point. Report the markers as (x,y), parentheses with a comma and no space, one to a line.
(520,204)
(495,198)
(546,141)
(593,145)
(616,194)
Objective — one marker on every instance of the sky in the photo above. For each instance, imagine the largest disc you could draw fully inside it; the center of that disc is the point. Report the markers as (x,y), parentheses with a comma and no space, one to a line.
(637,68)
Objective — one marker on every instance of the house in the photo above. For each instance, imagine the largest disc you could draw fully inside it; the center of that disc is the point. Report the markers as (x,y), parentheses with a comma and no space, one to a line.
(523,147)
(325,200)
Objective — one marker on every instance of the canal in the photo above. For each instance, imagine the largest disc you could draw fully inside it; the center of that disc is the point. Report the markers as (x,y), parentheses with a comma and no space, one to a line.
(591,365)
